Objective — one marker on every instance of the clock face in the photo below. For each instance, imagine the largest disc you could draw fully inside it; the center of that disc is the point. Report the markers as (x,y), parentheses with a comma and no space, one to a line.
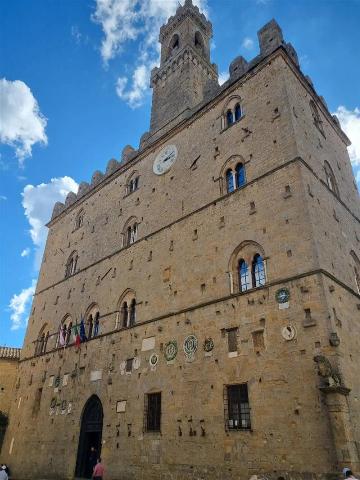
(282,295)
(165,159)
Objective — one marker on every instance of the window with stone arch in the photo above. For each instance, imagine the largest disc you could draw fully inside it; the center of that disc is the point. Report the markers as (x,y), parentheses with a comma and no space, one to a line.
(330,178)
(174,45)
(92,321)
(132,183)
(42,340)
(130,232)
(232,175)
(247,267)
(233,112)
(79,219)
(64,336)
(356,270)
(199,42)
(316,117)
(126,310)
(71,264)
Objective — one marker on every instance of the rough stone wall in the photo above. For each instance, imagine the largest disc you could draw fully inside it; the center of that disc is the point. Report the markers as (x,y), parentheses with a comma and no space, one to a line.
(183,288)
(289,422)
(8,375)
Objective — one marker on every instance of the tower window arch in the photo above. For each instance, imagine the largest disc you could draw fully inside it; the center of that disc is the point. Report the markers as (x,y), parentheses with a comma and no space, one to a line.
(240,175)
(71,264)
(65,330)
(330,178)
(248,267)
(237,112)
(174,45)
(199,42)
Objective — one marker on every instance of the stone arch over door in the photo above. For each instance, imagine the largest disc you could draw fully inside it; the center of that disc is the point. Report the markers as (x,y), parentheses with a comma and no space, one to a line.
(90,436)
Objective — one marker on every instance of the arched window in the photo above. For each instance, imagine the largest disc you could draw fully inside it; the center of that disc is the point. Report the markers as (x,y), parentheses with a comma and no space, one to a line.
(258,271)
(240,175)
(244,276)
(79,219)
(130,232)
(125,315)
(68,333)
(230,184)
(229,117)
(237,112)
(92,323)
(330,178)
(132,316)
(247,267)
(233,111)
(42,340)
(71,264)
(174,44)
(133,183)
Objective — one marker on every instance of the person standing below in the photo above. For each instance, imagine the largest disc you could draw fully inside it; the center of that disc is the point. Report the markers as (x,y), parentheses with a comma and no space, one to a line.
(348,475)
(98,470)
(3,474)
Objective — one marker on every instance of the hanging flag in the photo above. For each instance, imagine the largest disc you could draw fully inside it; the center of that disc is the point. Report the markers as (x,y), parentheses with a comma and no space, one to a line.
(82,331)
(77,336)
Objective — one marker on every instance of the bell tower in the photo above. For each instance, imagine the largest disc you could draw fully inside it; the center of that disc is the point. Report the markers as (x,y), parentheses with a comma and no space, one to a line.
(185,74)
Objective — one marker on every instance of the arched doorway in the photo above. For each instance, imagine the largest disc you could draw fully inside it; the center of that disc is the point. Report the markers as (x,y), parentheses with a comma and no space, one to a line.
(90,436)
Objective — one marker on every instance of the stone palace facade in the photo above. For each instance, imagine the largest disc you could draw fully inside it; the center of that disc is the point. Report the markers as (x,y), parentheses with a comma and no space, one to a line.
(215,273)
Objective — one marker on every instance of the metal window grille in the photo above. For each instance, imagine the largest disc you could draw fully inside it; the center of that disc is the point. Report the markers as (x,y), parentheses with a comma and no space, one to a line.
(129,364)
(236,407)
(152,412)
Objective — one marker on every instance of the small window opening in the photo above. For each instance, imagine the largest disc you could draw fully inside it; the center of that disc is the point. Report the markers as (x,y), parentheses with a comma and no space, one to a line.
(238,407)
(153,412)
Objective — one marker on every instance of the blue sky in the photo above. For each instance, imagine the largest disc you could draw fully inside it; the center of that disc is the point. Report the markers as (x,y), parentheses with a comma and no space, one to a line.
(74,91)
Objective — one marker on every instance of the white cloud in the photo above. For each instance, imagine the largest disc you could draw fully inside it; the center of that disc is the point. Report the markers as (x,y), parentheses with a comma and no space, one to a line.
(350,123)
(223,76)
(21,122)
(140,82)
(25,252)
(124,21)
(248,43)
(19,306)
(3,197)
(38,203)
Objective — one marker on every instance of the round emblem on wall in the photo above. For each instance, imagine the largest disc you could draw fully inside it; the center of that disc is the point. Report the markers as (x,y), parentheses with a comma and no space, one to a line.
(153,360)
(57,381)
(282,295)
(288,332)
(190,345)
(208,344)
(53,403)
(165,160)
(171,350)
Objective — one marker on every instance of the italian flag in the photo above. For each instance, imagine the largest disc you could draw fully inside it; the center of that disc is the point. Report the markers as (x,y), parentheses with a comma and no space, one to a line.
(77,336)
